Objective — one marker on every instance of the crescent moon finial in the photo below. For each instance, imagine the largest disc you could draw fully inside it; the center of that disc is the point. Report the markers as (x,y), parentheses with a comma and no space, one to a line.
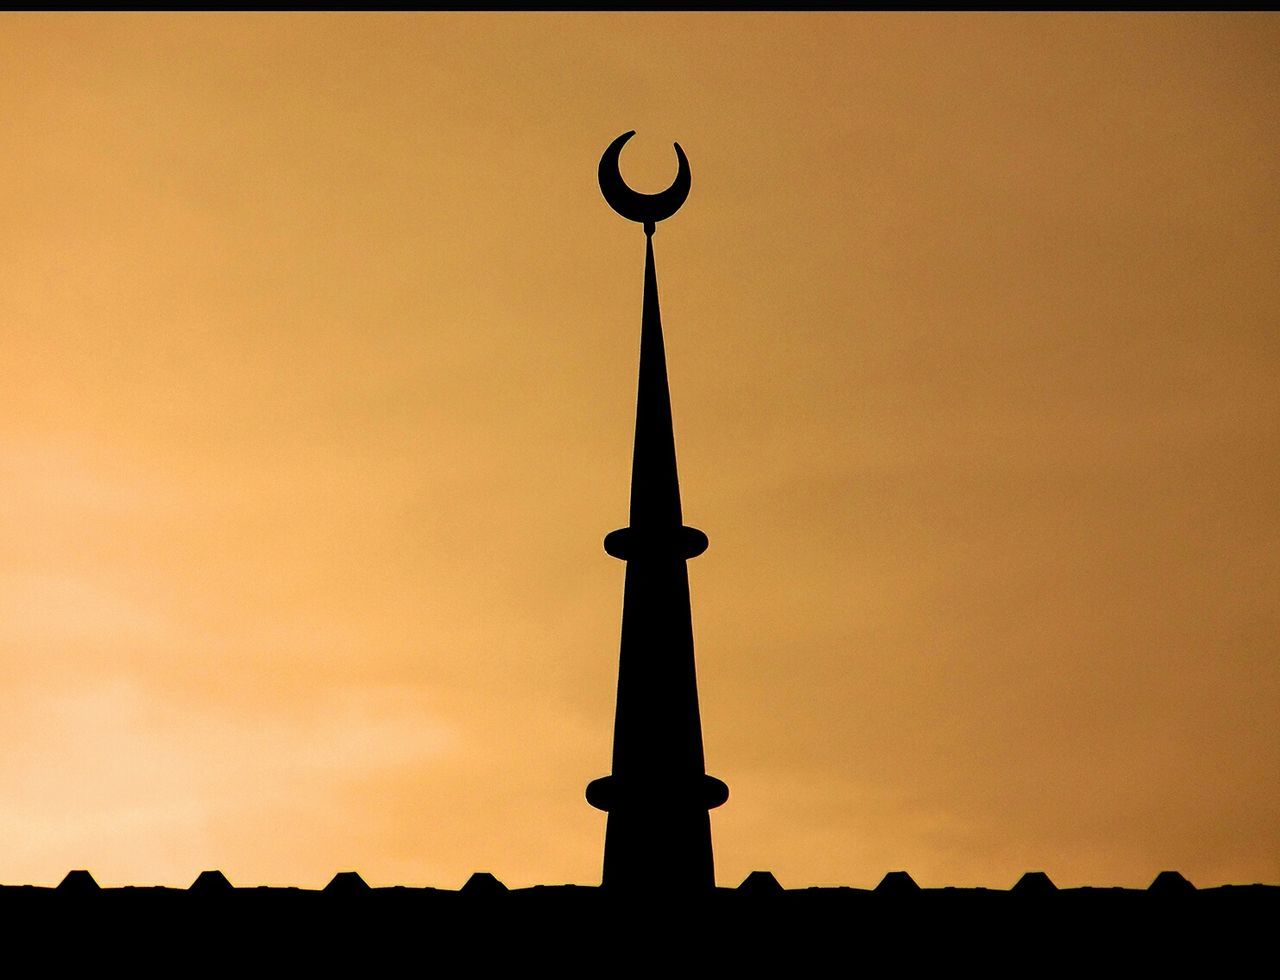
(646,208)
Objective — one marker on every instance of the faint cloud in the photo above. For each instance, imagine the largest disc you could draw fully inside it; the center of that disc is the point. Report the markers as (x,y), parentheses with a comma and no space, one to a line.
(111,777)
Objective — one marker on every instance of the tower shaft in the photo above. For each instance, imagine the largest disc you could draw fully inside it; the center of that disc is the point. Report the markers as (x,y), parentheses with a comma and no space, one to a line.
(659,831)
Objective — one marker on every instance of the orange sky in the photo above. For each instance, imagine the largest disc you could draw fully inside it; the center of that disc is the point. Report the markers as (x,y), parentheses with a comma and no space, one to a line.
(319,366)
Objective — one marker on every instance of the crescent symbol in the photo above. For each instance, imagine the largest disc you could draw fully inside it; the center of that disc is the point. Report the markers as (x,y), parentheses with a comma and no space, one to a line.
(646,208)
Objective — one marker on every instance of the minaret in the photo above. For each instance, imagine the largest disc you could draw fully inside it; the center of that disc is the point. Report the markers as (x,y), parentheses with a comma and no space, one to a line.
(658,835)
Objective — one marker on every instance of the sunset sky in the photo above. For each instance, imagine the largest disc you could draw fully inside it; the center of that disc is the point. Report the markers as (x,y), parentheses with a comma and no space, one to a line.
(319,356)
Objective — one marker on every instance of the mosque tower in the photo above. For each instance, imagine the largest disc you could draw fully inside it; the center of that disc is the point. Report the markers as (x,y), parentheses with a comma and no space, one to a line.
(658,835)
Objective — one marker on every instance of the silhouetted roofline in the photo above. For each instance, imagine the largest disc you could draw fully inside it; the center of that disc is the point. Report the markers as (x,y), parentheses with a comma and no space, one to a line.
(80,883)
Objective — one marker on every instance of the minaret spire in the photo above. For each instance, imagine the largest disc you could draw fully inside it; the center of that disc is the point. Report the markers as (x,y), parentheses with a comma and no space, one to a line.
(659,832)
(655,486)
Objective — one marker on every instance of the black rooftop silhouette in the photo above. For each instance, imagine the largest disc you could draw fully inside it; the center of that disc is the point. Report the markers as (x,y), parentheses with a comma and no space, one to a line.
(78,883)
(1035,883)
(897,883)
(347,883)
(760,883)
(1170,922)
(211,883)
(484,885)
(1171,883)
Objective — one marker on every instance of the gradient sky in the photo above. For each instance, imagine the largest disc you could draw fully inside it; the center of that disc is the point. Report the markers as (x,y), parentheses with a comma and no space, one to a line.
(319,353)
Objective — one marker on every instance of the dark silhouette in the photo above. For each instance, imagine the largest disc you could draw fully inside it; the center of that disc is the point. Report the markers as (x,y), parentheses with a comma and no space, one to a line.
(1171,883)
(78,883)
(347,883)
(1034,883)
(897,883)
(647,209)
(760,883)
(482,884)
(658,834)
(898,923)
(211,883)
